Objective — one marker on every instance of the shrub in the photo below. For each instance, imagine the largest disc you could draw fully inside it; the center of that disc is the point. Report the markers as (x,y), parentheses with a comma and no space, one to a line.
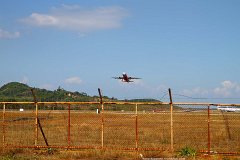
(187,152)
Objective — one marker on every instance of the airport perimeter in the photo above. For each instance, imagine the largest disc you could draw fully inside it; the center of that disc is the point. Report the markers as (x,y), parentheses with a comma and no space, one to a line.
(125,126)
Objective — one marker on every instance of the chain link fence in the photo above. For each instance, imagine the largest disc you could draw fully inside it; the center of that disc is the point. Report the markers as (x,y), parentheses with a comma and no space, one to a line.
(131,126)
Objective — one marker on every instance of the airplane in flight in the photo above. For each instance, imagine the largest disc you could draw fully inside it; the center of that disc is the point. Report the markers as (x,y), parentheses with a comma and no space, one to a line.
(126,78)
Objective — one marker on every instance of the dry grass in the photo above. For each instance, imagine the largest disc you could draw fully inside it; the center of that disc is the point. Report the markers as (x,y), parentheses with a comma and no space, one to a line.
(190,129)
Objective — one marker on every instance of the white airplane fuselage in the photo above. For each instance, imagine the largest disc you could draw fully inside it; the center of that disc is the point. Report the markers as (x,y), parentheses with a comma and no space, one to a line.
(228,109)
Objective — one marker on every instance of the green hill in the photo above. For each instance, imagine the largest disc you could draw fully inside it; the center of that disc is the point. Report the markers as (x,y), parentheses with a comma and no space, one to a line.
(19,92)
(15,91)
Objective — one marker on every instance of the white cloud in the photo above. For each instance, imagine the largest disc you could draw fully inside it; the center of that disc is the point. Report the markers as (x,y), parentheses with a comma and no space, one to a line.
(73,80)
(78,19)
(195,92)
(8,35)
(42,20)
(227,89)
(25,80)
(47,86)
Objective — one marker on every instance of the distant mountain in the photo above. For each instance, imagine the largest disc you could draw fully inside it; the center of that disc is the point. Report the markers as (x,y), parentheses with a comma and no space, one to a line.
(15,91)
(19,92)
(143,100)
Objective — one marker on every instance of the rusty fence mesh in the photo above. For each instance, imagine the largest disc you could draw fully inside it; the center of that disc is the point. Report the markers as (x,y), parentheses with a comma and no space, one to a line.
(190,126)
(154,127)
(1,128)
(119,126)
(18,125)
(225,131)
(70,126)
(206,128)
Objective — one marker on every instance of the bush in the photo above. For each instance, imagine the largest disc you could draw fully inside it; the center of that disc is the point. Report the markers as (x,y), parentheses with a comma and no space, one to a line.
(187,152)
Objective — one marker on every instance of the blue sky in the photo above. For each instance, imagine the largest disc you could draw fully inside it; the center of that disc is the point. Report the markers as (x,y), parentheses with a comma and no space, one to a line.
(189,46)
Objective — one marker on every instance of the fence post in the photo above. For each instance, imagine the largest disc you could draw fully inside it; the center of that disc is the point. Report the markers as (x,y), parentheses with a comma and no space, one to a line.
(69,125)
(102,126)
(102,117)
(36,123)
(36,116)
(209,135)
(4,111)
(171,119)
(44,137)
(136,113)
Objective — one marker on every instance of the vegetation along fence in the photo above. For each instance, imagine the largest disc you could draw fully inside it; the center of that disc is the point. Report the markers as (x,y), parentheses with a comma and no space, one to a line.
(120,126)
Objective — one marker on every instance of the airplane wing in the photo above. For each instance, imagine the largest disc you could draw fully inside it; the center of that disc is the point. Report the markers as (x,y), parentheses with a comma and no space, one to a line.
(117,77)
(134,78)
